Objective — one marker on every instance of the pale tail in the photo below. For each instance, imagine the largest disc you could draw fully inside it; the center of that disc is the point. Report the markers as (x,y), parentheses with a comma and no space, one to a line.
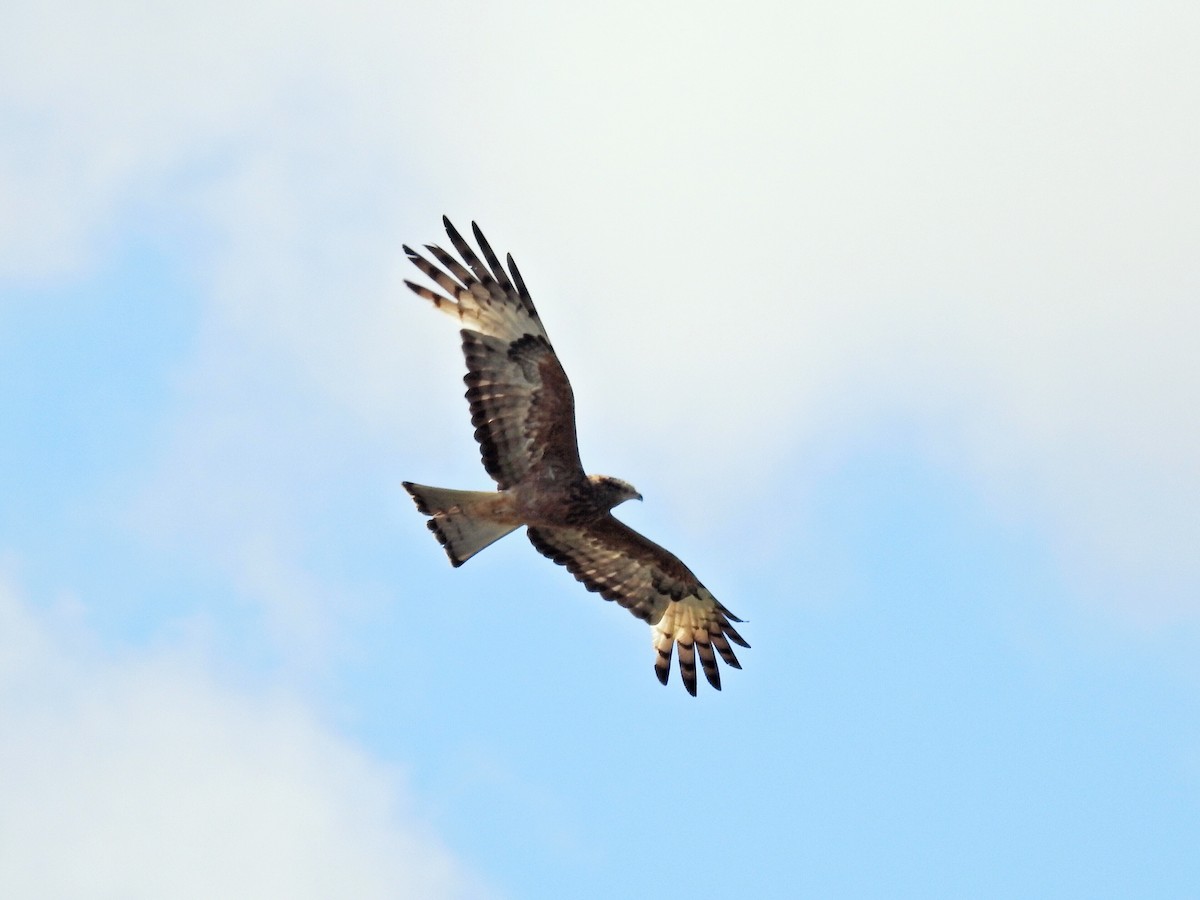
(461,535)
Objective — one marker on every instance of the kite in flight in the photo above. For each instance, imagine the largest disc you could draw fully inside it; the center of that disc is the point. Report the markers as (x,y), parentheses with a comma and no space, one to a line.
(523,411)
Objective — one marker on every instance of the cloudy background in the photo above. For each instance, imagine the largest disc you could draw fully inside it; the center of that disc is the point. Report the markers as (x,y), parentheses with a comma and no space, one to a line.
(891,312)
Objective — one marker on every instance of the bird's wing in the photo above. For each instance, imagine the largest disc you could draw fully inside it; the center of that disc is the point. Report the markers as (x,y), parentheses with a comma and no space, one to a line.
(522,405)
(612,559)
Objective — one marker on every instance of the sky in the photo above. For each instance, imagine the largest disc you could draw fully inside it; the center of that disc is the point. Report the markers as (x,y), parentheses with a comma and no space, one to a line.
(889,312)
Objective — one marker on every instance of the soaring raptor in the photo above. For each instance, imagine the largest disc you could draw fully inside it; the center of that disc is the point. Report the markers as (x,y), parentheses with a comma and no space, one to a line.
(523,411)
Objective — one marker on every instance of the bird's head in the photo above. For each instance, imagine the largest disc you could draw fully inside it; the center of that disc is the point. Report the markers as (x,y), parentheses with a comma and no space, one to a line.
(613,491)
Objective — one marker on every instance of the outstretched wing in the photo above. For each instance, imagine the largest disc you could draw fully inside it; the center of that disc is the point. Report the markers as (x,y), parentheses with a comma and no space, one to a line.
(612,559)
(521,402)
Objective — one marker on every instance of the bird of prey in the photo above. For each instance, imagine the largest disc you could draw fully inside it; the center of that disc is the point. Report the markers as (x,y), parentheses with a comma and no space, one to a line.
(523,411)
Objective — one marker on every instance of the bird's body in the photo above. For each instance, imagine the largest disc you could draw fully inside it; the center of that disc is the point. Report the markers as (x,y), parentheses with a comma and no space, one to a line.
(523,410)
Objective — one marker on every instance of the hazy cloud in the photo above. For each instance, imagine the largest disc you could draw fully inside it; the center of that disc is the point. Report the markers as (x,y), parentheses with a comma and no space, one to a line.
(148,777)
(778,222)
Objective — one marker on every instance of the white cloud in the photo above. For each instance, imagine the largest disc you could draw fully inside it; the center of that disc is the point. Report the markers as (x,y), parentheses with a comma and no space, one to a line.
(147,777)
(777,222)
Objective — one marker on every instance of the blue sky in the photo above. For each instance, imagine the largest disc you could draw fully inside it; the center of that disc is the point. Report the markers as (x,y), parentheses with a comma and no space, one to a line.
(890,315)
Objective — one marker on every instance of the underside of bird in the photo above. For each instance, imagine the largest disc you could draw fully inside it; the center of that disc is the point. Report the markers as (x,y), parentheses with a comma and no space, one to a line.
(523,411)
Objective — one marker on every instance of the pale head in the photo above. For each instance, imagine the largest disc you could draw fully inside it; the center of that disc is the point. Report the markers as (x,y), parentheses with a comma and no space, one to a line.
(612,491)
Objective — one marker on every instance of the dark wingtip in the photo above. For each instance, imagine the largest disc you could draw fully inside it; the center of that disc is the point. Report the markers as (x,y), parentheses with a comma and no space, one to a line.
(732,634)
(662,667)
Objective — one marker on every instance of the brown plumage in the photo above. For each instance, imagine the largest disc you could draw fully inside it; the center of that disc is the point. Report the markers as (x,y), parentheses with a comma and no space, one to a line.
(523,411)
